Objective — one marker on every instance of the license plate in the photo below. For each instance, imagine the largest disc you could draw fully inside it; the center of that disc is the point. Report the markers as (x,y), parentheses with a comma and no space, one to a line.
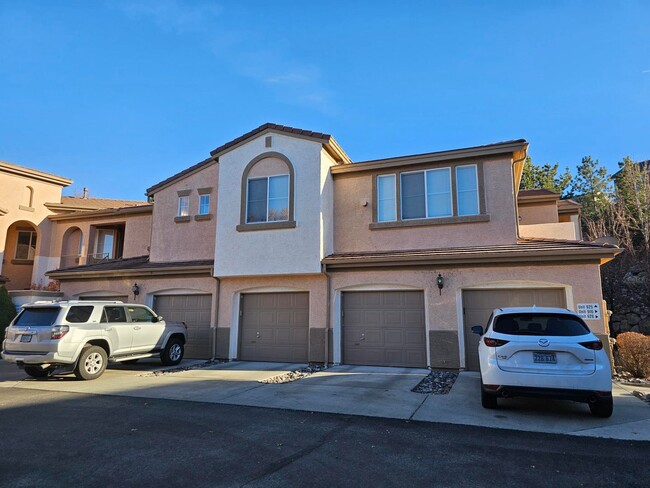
(544,357)
(26,338)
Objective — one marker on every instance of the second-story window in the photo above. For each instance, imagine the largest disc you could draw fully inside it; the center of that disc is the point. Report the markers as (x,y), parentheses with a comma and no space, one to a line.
(183,206)
(435,193)
(268,199)
(204,204)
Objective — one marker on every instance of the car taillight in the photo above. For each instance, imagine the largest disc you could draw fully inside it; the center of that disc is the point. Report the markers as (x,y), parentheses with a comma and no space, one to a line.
(494,342)
(593,345)
(58,331)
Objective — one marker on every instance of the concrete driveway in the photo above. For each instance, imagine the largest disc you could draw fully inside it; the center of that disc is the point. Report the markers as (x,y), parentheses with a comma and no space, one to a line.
(354,390)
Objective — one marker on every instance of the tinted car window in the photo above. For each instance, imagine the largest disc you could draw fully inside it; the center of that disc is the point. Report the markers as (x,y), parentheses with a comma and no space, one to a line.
(139,314)
(38,316)
(114,314)
(540,324)
(79,315)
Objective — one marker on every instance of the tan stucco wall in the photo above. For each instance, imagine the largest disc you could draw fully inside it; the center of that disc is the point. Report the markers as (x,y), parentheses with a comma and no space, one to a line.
(352,218)
(443,311)
(13,196)
(539,213)
(561,230)
(149,286)
(181,241)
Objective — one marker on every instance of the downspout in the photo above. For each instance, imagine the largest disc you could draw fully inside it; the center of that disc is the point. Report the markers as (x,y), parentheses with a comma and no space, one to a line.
(328,315)
(214,330)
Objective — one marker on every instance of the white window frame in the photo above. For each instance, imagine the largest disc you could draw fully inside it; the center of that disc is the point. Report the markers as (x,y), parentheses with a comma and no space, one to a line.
(204,205)
(426,200)
(182,206)
(394,176)
(478,196)
(268,179)
(99,240)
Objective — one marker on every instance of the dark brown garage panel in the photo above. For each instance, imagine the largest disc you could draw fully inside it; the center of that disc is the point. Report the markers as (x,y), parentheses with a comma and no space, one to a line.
(195,311)
(479,304)
(384,328)
(274,327)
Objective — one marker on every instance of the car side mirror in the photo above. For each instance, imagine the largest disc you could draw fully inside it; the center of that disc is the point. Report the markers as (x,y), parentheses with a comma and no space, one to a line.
(477,329)
(159,318)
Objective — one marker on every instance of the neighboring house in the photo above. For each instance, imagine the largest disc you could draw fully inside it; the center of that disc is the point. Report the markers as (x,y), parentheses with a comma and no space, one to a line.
(279,248)
(543,214)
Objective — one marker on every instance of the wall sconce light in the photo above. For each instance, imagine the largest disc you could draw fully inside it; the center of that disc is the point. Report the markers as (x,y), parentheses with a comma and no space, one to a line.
(440,282)
(135,289)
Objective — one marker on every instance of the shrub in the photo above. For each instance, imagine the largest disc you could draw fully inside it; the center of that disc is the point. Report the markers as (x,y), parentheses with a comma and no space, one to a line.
(7,310)
(634,353)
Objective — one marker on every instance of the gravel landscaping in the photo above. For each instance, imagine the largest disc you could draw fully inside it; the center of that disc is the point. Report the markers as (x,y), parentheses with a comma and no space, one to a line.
(290,376)
(205,364)
(436,383)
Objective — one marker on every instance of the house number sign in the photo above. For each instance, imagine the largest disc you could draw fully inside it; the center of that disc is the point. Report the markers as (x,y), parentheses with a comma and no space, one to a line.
(589,311)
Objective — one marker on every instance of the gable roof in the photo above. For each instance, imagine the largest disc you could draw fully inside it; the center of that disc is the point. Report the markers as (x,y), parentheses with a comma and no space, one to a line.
(330,145)
(34,174)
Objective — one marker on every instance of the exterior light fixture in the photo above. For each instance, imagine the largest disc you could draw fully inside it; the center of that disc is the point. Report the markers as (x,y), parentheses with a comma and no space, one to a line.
(440,281)
(135,289)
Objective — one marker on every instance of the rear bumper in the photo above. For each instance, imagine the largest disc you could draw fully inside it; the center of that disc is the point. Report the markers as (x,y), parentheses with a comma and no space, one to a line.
(34,359)
(508,391)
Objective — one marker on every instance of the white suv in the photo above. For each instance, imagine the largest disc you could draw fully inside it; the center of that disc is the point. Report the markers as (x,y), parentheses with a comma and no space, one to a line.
(543,352)
(80,337)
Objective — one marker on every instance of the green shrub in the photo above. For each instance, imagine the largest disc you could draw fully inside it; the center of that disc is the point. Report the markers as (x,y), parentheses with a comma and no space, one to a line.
(633,353)
(7,310)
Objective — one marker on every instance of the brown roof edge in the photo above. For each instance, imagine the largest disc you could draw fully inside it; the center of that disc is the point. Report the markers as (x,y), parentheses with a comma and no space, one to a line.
(292,131)
(105,212)
(182,174)
(35,174)
(468,152)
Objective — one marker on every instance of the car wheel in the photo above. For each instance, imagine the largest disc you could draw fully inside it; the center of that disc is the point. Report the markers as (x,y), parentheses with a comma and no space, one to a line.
(37,372)
(602,407)
(91,364)
(173,352)
(487,400)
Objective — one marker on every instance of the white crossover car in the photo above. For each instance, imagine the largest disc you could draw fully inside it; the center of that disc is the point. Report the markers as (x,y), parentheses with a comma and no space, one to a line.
(543,352)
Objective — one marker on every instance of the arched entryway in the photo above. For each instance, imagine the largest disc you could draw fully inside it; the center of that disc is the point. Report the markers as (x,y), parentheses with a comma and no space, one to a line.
(20,251)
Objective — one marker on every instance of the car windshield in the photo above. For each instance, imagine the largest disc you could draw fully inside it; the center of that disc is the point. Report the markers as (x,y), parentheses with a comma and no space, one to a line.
(38,316)
(540,324)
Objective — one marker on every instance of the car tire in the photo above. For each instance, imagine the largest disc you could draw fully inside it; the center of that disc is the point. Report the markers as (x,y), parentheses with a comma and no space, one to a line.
(602,408)
(91,364)
(173,352)
(487,400)
(37,372)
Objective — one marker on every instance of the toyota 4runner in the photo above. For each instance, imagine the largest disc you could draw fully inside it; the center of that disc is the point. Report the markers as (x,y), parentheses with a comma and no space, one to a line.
(80,337)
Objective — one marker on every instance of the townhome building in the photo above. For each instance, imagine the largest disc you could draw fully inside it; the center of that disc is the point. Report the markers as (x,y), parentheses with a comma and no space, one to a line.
(278,247)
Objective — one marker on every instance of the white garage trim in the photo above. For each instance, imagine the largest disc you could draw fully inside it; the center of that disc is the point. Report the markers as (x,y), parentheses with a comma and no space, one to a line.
(336,331)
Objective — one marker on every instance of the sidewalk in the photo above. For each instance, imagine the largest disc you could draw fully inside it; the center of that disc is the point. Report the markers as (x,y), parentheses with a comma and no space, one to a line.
(352,390)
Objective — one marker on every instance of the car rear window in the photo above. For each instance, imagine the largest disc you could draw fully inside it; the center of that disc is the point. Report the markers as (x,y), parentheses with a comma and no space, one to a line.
(540,324)
(79,315)
(38,316)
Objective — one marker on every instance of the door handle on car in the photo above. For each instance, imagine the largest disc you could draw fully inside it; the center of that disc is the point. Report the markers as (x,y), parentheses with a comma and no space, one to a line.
(108,329)
(137,327)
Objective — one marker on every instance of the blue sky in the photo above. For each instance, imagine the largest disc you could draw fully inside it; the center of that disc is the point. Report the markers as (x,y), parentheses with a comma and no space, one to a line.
(118,95)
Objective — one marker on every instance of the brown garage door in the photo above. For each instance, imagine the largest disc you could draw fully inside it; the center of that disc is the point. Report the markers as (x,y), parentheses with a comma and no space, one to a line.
(384,328)
(479,304)
(195,311)
(274,327)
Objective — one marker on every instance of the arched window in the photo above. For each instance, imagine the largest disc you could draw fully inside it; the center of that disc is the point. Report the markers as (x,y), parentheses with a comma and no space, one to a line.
(267,193)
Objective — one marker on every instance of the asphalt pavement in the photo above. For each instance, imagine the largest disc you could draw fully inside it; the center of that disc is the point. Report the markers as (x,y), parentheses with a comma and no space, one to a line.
(59,439)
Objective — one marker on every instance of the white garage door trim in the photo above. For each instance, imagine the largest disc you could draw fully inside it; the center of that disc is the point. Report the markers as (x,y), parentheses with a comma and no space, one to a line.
(568,296)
